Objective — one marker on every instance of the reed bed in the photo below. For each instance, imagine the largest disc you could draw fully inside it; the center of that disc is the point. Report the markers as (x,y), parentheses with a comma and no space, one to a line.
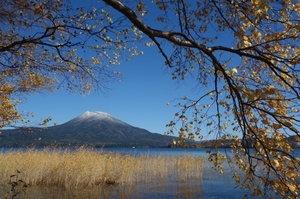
(87,168)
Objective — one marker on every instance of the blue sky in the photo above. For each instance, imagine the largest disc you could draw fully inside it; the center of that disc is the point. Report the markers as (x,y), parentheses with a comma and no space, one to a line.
(139,99)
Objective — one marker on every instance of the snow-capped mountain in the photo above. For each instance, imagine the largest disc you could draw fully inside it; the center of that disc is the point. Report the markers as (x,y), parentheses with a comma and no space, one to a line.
(90,128)
(95,116)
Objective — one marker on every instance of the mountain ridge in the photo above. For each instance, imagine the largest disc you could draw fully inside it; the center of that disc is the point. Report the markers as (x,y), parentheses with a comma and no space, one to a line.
(96,129)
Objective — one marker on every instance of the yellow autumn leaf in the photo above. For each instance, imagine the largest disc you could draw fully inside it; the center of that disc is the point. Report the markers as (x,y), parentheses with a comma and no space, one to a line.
(239,88)
(276,126)
(255,2)
(291,174)
(234,70)
(275,163)
(271,89)
(288,124)
(259,35)
(251,97)
(265,121)
(254,120)
(297,138)
(292,187)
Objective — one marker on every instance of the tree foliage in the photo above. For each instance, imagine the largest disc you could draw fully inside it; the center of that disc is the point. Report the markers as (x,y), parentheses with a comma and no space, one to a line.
(244,55)
(48,45)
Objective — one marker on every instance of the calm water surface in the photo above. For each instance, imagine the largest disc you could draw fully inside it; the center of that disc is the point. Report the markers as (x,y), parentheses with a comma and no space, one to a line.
(212,186)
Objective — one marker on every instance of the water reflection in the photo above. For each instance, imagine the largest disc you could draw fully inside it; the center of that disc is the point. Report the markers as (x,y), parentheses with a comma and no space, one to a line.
(192,189)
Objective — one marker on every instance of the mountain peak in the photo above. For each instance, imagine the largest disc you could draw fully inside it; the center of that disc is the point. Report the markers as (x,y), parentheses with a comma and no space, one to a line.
(94,116)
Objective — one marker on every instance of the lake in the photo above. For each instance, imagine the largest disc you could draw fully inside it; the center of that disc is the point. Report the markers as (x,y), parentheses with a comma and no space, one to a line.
(212,186)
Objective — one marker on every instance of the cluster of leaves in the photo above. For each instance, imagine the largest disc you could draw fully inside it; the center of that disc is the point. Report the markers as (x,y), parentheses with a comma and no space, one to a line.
(48,45)
(251,82)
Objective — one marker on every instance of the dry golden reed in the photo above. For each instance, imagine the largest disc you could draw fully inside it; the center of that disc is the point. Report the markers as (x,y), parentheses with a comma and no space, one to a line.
(87,168)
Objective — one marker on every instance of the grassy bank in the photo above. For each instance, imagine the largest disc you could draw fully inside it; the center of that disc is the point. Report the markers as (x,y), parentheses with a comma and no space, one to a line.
(87,168)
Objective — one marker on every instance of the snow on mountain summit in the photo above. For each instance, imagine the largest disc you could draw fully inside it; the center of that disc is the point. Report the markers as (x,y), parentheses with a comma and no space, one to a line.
(94,116)
(97,114)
